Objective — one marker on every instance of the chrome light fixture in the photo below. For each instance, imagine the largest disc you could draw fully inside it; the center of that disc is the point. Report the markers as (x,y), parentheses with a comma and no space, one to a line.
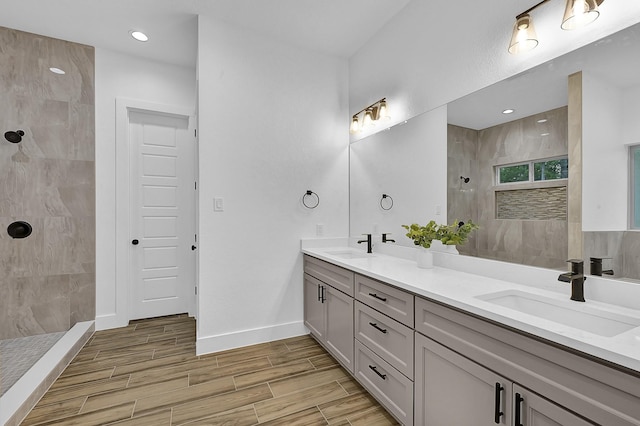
(370,116)
(579,13)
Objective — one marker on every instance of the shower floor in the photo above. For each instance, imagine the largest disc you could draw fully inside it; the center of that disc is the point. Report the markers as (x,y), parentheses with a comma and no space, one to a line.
(17,356)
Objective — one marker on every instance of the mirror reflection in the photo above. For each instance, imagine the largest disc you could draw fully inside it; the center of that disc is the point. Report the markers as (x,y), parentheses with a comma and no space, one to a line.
(503,168)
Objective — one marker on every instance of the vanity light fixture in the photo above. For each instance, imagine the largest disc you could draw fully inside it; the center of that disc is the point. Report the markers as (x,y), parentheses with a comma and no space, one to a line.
(139,35)
(579,13)
(523,37)
(369,116)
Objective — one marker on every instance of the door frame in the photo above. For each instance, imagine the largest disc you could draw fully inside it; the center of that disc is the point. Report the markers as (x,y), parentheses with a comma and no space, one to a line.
(123,271)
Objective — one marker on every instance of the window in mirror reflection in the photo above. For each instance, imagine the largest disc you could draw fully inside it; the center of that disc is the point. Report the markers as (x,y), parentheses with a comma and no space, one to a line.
(551,169)
(635,187)
(534,171)
(514,173)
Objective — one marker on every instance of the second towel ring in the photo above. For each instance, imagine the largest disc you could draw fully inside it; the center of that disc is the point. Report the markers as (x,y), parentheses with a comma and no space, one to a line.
(389,203)
(312,204)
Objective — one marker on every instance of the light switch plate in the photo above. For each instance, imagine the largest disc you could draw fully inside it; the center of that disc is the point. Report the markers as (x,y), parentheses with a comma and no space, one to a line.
(218,204)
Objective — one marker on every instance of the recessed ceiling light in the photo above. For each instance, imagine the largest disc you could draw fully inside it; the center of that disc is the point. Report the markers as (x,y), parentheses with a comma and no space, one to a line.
(508,111)
(138,35)
(542,120)
(56,70)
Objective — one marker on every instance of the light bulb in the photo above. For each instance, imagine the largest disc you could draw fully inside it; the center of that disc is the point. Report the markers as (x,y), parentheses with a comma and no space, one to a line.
(355,125)
(579,13)
(383,112)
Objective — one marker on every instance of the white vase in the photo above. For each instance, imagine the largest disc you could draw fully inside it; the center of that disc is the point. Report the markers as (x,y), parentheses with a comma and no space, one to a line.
(436,245)
(424,257)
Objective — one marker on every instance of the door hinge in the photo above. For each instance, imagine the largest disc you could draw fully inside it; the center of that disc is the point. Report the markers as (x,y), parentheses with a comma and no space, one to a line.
(195,185)
(195,133)
(195,237)
(196,290)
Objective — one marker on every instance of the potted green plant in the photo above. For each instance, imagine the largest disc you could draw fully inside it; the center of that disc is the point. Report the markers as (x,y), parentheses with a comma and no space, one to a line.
(448,235)
(457,233)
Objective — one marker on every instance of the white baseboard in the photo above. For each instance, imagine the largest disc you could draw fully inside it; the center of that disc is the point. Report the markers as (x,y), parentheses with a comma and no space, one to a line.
(20,398)
(237,339)
(106,322)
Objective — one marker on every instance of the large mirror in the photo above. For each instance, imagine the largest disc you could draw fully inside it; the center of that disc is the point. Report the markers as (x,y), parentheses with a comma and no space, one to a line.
(480,139)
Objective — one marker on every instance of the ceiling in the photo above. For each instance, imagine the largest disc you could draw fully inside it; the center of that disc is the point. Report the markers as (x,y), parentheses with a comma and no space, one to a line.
(334,27)
(613,58)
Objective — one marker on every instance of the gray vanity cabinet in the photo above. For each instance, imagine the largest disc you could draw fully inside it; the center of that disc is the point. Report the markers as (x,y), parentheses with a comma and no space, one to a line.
(530,409)
(328,308)
(452,390)
(462,358)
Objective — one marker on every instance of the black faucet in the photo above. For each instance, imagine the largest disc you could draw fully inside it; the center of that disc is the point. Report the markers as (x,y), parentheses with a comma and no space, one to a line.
(387,240)
(368,241)
(576,278)
(596,267)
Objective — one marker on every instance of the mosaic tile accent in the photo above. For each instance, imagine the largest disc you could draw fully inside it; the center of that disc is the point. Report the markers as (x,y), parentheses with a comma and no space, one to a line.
(17,356)
(532,204)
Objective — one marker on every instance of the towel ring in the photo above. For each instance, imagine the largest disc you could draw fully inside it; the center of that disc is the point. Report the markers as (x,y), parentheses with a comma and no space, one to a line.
(388,203)
(310,205)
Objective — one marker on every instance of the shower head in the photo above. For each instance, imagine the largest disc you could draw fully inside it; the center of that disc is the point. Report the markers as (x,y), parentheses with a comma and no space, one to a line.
(465,179)
(14,137)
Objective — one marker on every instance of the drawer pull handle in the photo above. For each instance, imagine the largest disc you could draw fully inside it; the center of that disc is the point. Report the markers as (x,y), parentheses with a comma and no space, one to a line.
(375,325)
(319,297)
(375,370)
(374,295)
(497,412)
(519,400)
(323,294)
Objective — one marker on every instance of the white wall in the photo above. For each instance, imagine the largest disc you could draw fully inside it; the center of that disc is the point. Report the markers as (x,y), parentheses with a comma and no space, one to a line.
(604,157)
(374,165)
(120,75)
(630,114)
(273,122)
(434,51)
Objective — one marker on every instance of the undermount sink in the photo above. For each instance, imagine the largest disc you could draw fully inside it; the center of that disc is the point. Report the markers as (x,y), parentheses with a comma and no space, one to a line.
(572,314)
(349,254)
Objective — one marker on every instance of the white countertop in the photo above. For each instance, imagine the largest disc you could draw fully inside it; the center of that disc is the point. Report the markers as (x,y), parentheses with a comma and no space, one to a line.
(453,287)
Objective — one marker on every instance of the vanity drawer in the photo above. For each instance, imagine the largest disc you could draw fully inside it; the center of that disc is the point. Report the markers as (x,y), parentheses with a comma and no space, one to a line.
(337,277)
(386,337)
(384,382)
(390,301)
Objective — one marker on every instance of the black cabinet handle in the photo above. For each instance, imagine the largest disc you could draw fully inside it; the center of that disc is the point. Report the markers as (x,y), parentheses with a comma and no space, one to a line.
(384,299)
(383,376)
(135,242)
(497,412)
(519,400)
(375,325)
(322,294)
(319,294)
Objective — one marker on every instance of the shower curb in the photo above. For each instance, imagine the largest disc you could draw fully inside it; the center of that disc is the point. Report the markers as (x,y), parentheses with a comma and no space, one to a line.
(20,399)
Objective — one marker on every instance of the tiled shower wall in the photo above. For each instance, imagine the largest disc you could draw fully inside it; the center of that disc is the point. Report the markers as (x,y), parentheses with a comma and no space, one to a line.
(621,247)
(47,279)
(474,154)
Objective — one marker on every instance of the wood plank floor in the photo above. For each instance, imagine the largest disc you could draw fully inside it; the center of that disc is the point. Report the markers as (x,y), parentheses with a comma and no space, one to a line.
(148,374)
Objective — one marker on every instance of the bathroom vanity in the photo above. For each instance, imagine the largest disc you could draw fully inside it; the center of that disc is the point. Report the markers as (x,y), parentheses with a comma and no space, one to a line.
(443,346)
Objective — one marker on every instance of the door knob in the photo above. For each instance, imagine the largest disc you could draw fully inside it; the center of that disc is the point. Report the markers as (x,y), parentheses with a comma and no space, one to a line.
(193,247)
(135,242)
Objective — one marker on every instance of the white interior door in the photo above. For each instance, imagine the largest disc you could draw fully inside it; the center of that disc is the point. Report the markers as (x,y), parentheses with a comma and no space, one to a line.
(163,239)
